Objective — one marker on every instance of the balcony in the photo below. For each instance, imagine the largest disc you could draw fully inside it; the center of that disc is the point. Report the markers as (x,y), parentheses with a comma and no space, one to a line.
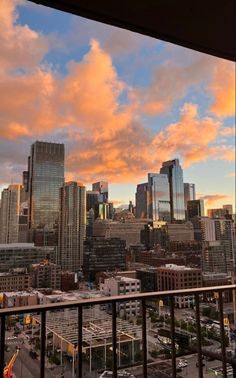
(51,317)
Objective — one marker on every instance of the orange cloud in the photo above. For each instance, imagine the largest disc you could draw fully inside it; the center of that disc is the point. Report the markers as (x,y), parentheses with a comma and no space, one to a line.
(223,89)
(20,45)
(183,137)
(227,131)
(212,199)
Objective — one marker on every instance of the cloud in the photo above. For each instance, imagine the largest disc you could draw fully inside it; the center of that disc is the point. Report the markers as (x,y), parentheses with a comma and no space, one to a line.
(227,131)
(212,199)
(105,136)
(222,89)
(183,137)
(21,47)
(232,174)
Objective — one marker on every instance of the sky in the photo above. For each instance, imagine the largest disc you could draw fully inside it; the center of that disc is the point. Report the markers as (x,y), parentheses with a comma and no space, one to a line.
(121,102)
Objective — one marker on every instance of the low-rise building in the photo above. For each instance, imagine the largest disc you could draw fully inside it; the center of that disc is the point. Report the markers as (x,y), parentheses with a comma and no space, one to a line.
(122,286)
(13,281)
(45,274)
(22,255)
(20,298)
(175,277)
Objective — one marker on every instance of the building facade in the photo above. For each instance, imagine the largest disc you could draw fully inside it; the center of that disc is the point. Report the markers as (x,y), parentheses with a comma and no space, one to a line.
(101,255)
(72,226)
(195,208)
(142,200)
(159,205)
(22,255)
(10,213)
(174,172)
(13,281)
(119,285)
(45,178)
(189,193)
(45,275)
(175,277)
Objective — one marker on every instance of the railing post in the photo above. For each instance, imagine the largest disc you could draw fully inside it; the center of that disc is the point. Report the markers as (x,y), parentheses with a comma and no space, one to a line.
(222,335)
(172,325)
(114,340)
(199,336)
(80,342)
(2,345)
(42,344)
(144,336)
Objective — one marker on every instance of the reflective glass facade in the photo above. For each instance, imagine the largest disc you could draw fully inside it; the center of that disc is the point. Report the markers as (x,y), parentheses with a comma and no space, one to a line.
(189,193)
(102,188)
(46,177)
(159,204)
(176,185)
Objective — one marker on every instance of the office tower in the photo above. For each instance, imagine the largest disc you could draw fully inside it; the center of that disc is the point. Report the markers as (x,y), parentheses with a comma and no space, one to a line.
(92,199)
(11,200)
(174,171)
(189,193)
(46,177)
(102,188)
(224,233)
(72,226)
(204,229)
(159,194)
(195,208)
(103,255)
(142,198)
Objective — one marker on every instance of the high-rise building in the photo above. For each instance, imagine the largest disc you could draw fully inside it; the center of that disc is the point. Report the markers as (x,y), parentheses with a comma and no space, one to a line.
(92,199)
(11,201)
(195,208)
(159,205)
(72,226)
(224,212)
(102,188)
(189,193)
(46,177)
(174,171)
(102,254)
(142,198)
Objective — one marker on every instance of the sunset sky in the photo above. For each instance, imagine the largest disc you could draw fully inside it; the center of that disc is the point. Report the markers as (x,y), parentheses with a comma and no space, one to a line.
(121,102)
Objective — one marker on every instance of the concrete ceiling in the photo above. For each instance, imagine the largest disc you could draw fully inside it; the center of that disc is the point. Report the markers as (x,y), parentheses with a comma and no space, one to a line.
(203,25)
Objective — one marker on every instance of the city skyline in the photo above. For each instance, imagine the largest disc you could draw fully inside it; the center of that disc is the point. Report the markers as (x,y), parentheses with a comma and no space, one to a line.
(156,102)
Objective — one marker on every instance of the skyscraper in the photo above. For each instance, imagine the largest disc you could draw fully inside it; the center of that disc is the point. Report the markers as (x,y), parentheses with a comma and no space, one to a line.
(102,188)
(195,208)
(142,199)
(46,177)
(72,226)
(159,204)
(11,200)
(174,171)
(189,193)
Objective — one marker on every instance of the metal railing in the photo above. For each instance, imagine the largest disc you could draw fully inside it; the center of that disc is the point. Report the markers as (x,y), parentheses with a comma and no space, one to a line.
(143,297)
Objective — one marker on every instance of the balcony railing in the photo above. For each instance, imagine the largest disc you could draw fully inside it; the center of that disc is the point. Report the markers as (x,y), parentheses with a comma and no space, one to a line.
(112,301)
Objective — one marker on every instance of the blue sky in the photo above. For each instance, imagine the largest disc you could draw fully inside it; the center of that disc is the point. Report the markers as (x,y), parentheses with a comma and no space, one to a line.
(121,102)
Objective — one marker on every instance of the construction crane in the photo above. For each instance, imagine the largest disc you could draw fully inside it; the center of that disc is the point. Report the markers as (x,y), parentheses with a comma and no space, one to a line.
(8,367)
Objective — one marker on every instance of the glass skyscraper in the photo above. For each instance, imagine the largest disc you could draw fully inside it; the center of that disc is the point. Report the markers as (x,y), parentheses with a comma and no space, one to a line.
(159,204)
(174,171)
(189,193)
(45,178)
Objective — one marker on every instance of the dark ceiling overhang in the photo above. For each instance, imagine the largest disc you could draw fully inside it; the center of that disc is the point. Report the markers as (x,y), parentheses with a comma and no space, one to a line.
(207,26)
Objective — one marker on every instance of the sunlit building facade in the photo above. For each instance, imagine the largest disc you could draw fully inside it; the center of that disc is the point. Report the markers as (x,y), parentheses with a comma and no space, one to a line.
(159,204)
(46,177)
(10,213)
(174,172)
(189,193)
